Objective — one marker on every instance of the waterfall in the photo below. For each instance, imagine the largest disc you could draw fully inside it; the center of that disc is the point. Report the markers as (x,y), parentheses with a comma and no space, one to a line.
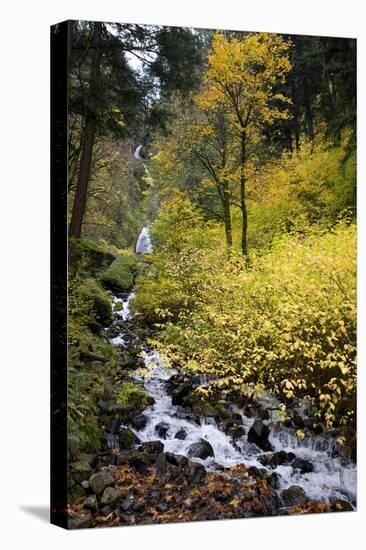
(144,244)
(137,153)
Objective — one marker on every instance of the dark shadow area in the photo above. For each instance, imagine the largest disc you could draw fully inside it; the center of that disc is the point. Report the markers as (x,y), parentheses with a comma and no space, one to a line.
(40,512)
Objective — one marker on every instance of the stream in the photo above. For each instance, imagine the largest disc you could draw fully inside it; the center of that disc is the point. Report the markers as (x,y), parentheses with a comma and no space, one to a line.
(333,476)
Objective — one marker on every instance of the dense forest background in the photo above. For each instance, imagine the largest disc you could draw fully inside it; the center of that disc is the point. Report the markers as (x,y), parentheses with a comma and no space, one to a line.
(248,183)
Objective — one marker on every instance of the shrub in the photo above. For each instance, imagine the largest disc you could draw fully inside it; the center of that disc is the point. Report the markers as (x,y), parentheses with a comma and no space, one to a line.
(287,324)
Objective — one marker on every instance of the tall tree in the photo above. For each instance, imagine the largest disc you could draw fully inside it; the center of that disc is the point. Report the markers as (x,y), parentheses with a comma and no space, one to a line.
(241,76)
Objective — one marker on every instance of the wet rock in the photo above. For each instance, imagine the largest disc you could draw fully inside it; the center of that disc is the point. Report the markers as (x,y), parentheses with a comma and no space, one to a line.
(160,463)
(287,423)
(181,434)
(162,429)
(276,459)
(318,429)
(340,505)
(155,447)
(139,421)
(257,473)
(298,422)
(236,432)
(85,484)
(111,496)
(208,410)
(293,496)
(258,434)
(197,472)
(98,482)
(305,466)
(127,438)
(81,522)
(91,503)
(180,393)
(201,449)
(274,481)
(176,460)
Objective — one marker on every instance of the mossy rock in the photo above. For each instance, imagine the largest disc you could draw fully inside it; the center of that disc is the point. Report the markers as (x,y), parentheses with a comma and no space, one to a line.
(133,397)
(127,438)
(120,275)
(99,301)
(92,257)
(293,496)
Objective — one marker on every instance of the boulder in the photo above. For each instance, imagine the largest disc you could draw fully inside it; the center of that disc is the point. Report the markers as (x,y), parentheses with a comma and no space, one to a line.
(197,472)
(201,449)
(258,434)
(176,460)
(155,447)
(98,482)
(236,432)
(91,503)
(293,496)
(81,466)
(139,464)
(340,505)
(181,434)
(111,496)
(180,393)
(160,463)
(274,480)
(208,410)
(305,466)
(139,421)
(81,522)
(128,503)
(276,459)
(162,429)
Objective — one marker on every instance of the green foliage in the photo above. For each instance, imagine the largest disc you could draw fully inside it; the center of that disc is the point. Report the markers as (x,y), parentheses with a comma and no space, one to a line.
(133,396)
(91,362)
(87,383)
(98,302)
(121,273)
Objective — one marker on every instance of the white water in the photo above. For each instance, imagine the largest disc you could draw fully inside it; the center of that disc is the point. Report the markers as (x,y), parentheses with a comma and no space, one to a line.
(144,244)
(137,153)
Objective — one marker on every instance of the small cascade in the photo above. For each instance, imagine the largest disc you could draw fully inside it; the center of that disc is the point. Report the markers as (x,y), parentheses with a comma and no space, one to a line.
(144,244)
(137,153)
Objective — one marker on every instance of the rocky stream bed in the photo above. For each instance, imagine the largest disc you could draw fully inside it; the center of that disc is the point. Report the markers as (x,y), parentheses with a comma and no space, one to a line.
(174,458)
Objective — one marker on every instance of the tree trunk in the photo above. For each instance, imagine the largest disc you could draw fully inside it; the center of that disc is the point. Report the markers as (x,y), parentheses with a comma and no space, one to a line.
(308,111)
(244,245)
(227,216)
(79,205)
(86,157)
